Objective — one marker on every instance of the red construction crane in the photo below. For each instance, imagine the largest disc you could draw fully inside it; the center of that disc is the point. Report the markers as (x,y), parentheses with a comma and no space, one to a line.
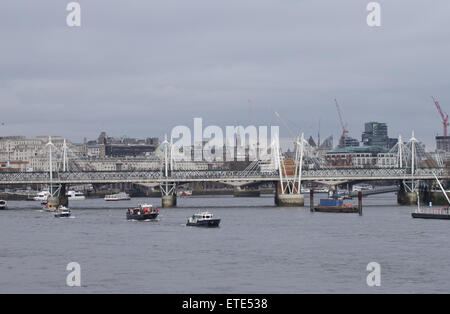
(444,117)
(343,125)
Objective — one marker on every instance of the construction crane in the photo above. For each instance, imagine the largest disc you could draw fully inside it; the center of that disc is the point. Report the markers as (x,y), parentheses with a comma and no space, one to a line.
(284,123)
(343,125)
(444,117)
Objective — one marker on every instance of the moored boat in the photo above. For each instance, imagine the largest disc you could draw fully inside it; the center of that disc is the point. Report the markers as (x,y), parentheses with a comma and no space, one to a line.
(3,204)
(362,187)
(142,212)
(430,213)
(440,213)
(184,193)
(42,196)
(75,196)
(204,219)
(122,196)
(335,204)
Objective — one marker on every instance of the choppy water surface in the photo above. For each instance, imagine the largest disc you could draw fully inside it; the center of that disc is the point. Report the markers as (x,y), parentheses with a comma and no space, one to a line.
(259,248)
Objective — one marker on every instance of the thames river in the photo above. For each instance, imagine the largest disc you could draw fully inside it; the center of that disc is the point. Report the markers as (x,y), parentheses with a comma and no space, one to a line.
(259,248)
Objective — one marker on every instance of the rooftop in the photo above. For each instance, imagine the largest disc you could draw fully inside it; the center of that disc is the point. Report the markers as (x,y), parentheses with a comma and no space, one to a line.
(358,149)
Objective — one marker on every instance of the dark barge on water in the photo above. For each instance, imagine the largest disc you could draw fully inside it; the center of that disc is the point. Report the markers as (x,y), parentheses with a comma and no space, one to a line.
(335,206)
(142,212)
(442,213)
(431,213)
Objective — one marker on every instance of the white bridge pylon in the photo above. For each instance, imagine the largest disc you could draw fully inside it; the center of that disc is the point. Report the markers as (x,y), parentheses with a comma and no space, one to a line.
(409,155)
(168,187)
(291,184)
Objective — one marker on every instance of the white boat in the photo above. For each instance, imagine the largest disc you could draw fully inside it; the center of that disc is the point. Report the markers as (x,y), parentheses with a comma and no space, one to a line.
(184,193)
(122,196)
(362,187)
(42,196)
(63,212)
(3,204)
(204,219)
(75,196)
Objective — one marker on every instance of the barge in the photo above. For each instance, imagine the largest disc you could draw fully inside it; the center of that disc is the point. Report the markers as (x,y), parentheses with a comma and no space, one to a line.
(430,213)
(335,206)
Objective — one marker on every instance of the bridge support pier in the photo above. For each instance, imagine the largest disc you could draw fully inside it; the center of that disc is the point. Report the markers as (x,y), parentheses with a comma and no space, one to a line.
(406,198)
(289,200)
(169,200)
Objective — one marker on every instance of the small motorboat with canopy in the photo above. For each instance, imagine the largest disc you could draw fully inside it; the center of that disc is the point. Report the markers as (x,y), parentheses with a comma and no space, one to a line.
(142,212)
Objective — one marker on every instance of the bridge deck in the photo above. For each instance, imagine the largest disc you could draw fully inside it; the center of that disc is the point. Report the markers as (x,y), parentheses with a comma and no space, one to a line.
(338,175)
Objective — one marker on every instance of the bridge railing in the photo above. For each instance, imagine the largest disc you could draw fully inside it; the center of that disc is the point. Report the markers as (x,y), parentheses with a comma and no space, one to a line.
(222,174)
(110,175)
(373,172)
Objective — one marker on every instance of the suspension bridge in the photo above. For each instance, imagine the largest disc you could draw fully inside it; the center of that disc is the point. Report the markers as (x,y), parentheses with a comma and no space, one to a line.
(286,174)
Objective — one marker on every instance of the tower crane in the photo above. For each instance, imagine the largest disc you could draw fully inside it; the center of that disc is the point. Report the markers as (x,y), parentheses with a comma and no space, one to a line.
(444,117)
(284,123)
(343,125)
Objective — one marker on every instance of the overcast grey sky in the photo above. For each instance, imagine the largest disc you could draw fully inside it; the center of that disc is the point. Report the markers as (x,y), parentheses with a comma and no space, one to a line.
(140,67)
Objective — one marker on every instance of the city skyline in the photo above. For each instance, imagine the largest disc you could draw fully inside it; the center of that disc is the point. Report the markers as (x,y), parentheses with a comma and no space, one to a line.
(285,142)
(137,69)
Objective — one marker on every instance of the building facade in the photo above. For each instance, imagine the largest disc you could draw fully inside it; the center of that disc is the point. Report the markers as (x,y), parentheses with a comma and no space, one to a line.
(376,134)
(440,143)
(360,157)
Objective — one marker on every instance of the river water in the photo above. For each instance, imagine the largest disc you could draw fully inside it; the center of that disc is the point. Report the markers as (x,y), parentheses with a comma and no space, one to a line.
(259,248)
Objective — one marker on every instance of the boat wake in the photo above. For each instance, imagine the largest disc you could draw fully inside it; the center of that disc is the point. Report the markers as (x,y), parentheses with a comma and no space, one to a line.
(148,220)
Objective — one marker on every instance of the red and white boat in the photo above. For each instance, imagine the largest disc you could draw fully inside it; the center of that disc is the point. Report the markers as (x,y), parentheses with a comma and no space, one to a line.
(122,196)
(184,193)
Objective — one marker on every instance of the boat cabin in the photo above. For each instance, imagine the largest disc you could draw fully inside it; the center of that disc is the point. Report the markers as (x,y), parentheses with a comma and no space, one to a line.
(204,215)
